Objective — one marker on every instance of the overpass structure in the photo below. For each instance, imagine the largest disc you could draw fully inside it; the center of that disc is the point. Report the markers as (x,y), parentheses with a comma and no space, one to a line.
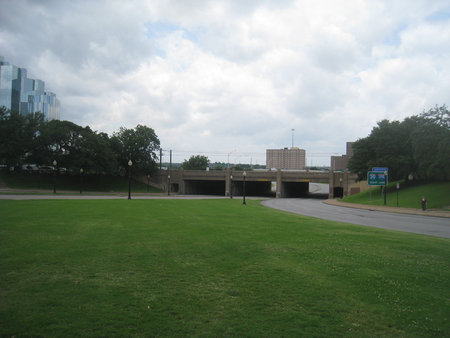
(273,183)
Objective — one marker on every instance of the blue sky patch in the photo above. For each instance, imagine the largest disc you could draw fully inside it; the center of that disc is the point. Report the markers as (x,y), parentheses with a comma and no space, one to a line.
(439,15)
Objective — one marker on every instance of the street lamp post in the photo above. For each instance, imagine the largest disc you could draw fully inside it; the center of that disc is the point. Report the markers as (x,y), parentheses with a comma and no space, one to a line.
(129,179)
(148,183)
(244,174)
(231,186)
(81,180)
(168,185)
(385,185)
(229,157)
(54,176)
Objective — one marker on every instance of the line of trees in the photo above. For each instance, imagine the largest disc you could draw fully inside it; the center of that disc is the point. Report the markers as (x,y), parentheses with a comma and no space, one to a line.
(33,140)
(419,146)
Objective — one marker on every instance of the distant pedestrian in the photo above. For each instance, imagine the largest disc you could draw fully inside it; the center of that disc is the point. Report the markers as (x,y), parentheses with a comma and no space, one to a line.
(423,201)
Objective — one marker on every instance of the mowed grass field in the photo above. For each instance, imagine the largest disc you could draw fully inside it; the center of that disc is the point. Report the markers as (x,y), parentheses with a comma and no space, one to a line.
(212,268)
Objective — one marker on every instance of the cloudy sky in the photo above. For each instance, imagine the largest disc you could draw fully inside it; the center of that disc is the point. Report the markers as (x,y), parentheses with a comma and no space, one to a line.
(235,76)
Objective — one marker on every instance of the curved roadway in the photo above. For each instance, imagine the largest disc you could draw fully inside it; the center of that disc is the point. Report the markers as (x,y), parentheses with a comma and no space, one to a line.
(315,207)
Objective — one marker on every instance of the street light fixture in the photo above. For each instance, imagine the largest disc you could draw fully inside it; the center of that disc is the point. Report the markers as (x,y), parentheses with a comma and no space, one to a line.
(54,176)
(81,180)
(168,185)
(244,174)
(129,179)
(148,183)
(231,186)
(229,157)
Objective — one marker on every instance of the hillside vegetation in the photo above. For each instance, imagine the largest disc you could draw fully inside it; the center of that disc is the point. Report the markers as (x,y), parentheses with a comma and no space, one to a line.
(407,196)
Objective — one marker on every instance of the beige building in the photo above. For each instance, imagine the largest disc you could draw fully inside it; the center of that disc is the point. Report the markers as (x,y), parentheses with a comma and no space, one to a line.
(293,158)
(341,162)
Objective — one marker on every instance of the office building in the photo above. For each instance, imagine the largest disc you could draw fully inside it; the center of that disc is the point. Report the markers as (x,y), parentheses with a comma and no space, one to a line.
(24,95)
(341,162)
(293,158)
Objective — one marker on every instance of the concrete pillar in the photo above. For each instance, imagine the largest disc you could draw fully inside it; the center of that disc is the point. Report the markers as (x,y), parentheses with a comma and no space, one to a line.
(181,182)
(331,184)
(228,174)
(279,184)
(345,183)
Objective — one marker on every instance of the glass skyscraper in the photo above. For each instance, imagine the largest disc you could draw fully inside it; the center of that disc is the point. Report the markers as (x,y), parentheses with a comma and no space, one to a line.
(27,96)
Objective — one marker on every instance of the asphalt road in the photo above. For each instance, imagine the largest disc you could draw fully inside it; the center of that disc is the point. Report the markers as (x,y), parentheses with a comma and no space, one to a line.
(315,207)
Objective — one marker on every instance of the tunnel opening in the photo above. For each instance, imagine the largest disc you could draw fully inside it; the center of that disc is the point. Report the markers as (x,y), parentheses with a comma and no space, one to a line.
(253,188)
(194,187)
(295,189)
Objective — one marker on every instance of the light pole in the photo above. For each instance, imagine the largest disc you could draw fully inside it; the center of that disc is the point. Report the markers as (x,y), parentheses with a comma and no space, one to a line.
(54,176)
(81,180)
(385,185)
(235,160)
(231,186)
(229,157)
(129,179)
(244,174)
(168,185)
(148,183)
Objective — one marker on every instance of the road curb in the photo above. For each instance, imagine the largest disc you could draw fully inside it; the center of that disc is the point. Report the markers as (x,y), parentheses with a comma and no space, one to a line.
(431,212)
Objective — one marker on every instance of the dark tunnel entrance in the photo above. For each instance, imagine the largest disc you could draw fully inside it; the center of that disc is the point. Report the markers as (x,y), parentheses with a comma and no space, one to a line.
(253,188)
(195,187)
(295,189)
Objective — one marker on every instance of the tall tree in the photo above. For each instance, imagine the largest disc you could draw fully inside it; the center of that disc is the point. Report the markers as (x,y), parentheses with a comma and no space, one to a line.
(140,145)
(419,145)
(197,162)
(74,147)
(431,144)
(17,135)
(439,116)
(386,146)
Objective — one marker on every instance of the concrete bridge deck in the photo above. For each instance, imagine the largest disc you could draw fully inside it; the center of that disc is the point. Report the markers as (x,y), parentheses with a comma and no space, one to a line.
(278,183)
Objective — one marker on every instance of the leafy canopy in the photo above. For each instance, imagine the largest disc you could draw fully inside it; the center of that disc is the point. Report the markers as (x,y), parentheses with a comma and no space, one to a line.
(417,146)
(197,162)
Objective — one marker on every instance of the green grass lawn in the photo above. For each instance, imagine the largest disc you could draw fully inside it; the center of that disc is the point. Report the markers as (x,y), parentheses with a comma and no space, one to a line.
(212,268)
(67,182)
(407,196)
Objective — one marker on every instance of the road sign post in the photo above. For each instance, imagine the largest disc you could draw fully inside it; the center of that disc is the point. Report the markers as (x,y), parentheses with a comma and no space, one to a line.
(378,178)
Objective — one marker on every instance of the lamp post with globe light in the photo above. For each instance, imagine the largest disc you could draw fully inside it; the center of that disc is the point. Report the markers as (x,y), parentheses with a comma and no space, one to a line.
(244,174)
(231,186)
(81,180)
(54,176)
(168,185)
(129,179)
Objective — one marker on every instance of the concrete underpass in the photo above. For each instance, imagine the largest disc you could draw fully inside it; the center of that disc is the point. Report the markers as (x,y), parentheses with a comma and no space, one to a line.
(264,183)
(252,188)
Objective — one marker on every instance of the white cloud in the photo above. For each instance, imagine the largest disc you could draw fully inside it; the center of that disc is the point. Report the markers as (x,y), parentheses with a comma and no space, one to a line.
(211,77)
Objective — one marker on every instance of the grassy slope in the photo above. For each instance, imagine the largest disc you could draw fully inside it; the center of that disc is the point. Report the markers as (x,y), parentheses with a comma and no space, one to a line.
(436,193)
(212,268)
(67,182)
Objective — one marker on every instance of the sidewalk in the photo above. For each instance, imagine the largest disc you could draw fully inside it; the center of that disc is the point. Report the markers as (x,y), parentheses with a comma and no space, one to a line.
(430,212)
